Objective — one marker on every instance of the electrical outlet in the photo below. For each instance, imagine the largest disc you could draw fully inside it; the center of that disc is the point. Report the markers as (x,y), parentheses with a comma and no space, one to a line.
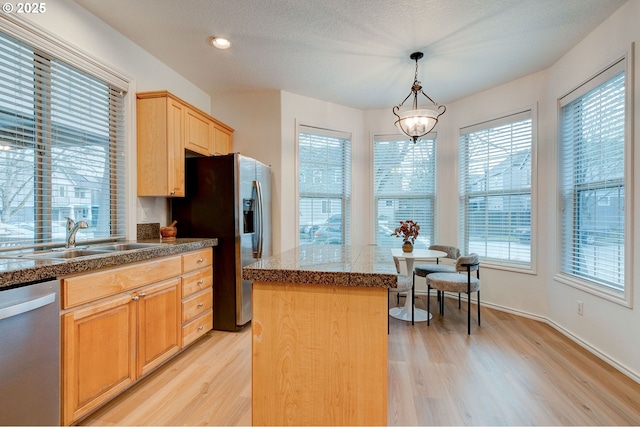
(580,307)
(144,216)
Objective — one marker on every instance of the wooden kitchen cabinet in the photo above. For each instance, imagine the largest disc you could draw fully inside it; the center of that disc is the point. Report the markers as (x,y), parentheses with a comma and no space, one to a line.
(197,295)
(120,323)
(159,332)
(199,136)
(108,345)
(98,355)
(222,141)
(166,127)
(160,146)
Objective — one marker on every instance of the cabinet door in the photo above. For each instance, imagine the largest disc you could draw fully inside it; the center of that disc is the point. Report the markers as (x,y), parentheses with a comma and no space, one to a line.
(175,129)
(198,133)
(159,323)
(98,355)
(222,141)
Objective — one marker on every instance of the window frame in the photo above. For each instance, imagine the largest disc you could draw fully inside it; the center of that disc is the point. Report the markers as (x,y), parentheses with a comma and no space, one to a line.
(346,196)
(431,136)
(624,297)
(496,121)
(121,198)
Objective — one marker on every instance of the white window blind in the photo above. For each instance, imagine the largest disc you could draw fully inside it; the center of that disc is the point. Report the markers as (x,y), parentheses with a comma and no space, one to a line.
(61,149)
(495,189)
(404,187)
(324,185)
(592,141)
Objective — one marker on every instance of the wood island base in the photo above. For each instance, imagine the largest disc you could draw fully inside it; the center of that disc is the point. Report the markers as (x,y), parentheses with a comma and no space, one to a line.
(319,354)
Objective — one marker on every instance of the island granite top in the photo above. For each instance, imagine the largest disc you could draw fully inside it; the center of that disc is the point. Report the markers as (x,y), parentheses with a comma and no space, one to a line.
(342,265)
(22,271)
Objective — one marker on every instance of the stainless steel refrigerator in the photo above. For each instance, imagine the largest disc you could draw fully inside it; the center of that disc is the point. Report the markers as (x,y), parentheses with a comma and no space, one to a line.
(228,197)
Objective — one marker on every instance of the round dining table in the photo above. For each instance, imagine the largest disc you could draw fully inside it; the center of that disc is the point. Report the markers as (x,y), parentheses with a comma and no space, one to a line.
(404,312)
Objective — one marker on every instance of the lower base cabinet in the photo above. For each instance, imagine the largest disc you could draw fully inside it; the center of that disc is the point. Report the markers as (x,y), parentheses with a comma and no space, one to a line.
(159,332)
(98,355)
(109,343)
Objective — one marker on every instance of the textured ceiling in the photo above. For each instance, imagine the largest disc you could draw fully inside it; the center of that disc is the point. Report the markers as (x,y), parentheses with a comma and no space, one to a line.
(355,52)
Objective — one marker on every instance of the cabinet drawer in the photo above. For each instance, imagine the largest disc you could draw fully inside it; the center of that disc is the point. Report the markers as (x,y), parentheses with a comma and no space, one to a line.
(197,304)
(196,260)
(196,328)
(196,281)
(84,288)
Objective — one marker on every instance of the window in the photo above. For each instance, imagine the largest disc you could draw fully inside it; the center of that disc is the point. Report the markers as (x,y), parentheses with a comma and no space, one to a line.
(592,151)
(324,200)
(404,187)
(61,149)
(495,189)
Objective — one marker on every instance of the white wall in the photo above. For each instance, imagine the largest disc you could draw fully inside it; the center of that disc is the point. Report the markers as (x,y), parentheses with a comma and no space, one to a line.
(298,110)
(609,328)
(75,26)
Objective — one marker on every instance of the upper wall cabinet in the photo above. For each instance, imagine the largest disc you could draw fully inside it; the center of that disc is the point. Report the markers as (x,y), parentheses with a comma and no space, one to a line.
(166,127)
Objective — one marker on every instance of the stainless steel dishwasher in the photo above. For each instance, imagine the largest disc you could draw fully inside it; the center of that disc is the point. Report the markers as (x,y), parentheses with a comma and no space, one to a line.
(30,355)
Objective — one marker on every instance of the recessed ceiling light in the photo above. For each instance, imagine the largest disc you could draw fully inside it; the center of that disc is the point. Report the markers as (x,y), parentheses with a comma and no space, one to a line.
(220,42)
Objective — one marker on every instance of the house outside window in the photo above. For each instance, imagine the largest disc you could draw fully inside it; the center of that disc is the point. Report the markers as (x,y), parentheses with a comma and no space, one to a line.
(324,202)
(80,193)
(495,189)
(593,174)
(404,187)
(61,146)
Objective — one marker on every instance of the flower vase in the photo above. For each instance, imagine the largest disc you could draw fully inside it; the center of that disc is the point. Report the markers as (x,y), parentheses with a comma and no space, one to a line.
(407,247)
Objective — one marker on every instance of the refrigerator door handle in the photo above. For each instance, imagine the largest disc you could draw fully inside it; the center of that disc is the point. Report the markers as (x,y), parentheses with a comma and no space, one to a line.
(259,219)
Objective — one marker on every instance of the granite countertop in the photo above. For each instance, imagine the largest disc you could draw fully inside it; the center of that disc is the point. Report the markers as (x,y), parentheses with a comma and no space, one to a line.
(19,271)
(369,266)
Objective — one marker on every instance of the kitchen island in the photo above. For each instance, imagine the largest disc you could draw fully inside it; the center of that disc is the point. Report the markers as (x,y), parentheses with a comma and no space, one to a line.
(319,329)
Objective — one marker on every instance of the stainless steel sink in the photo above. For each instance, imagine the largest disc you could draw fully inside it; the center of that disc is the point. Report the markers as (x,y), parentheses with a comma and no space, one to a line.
(125,246)
(64,254)
(100,249)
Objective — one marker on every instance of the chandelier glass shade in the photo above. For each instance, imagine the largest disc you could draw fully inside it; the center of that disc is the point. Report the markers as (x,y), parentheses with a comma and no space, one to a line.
(417,122)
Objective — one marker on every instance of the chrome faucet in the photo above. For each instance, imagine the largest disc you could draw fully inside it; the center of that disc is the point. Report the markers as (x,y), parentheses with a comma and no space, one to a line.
(72,229)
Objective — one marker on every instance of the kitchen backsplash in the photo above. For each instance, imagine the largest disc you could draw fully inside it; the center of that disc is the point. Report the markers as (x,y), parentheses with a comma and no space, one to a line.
(148,231)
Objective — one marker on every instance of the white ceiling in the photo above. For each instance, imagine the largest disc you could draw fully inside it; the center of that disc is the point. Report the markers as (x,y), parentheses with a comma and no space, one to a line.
(355,52)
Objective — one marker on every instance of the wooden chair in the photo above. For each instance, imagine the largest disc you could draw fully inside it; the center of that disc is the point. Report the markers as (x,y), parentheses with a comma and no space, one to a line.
(460,283)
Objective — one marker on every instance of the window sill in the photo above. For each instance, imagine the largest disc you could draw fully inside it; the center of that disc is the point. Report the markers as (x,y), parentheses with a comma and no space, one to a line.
(619,297)
(515,268)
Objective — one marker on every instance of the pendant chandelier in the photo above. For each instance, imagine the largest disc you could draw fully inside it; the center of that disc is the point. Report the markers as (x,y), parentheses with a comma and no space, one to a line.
(417,122)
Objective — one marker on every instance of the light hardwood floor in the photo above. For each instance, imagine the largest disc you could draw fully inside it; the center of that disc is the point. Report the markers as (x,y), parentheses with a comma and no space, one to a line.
(510,371)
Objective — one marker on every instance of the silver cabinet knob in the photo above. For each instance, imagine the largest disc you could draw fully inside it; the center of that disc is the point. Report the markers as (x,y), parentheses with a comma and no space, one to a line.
(201,305)
(135,298)
(200,328)
(200,261)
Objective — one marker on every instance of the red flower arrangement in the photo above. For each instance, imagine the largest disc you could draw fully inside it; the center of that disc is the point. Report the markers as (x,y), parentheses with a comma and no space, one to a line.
(408,230)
